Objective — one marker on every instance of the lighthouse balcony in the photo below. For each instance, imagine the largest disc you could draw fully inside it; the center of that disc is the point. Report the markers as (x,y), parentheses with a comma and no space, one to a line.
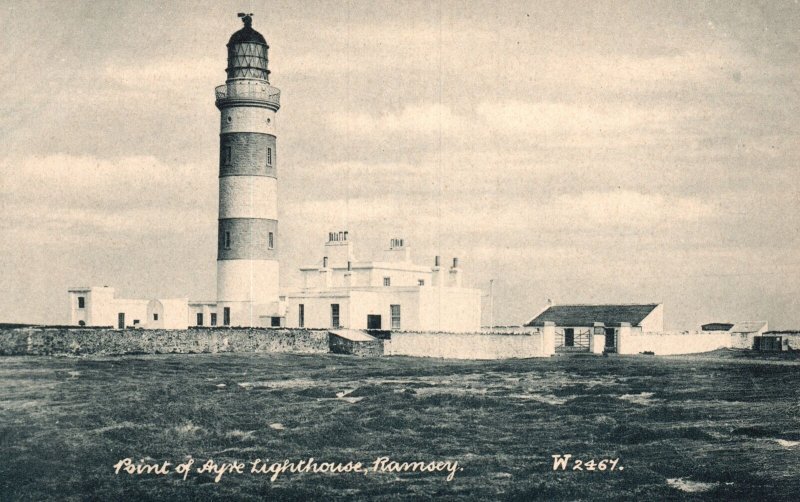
(256,93)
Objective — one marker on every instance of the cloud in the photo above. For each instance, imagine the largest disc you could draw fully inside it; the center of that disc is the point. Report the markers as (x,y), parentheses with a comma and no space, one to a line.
(594,212)
(418,118)
(589,123)
(58,198)
(166,74)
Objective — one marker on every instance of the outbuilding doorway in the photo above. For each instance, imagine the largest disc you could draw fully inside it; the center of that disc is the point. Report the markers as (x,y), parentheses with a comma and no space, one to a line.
(611,339)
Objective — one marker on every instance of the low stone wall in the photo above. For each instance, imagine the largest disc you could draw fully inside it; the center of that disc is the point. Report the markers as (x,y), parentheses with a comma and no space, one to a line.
(469,345)
(673,343)
(371,348)
(76,341)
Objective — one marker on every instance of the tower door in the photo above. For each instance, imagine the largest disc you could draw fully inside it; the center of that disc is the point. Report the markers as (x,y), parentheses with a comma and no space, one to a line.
(121,320)
(373,322)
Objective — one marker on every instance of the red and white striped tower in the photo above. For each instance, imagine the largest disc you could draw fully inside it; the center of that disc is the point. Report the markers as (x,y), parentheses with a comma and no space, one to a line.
(247,265)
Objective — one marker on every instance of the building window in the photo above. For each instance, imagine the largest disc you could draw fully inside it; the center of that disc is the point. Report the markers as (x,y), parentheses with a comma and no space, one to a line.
(420,282)
(155,317)
(387,281)
(269,157)
(226,316)
(227,240)
(81,323)
(81,302)
(199,318)
(301,316)
(271,240)
(395,316)
(276,322)
(213,319)
(334,315)
(227,156)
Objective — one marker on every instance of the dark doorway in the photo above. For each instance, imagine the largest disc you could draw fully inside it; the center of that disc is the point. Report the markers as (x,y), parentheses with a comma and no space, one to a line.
(226,316)
(569,337)
(121,320)
(768,343)
(373,322)
(611,340)
(199,318)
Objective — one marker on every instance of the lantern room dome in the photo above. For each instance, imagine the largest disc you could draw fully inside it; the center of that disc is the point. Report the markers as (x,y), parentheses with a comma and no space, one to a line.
(247,53)
(247,35)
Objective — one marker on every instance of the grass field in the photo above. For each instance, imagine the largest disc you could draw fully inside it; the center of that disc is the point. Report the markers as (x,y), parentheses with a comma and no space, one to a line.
(723,427)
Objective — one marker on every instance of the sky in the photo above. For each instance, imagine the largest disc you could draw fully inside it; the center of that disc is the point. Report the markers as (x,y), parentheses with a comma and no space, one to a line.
(581,152)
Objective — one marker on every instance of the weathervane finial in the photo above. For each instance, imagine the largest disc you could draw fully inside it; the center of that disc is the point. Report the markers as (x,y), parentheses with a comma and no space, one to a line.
(247,19)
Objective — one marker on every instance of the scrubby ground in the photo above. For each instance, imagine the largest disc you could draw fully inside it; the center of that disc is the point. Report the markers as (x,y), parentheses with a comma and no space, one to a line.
(722,427)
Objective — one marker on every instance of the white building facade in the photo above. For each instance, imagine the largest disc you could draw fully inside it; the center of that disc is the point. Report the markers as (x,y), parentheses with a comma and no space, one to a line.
(392,294)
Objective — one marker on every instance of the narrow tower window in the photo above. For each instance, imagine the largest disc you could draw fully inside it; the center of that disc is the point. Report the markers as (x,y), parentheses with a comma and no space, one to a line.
(269,156)
(387,281)
(301,313)
(81,302)
(271,240)
(227,156)
(227,240)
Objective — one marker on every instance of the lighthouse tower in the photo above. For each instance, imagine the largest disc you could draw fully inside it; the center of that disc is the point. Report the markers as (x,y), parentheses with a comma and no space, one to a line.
(247,265)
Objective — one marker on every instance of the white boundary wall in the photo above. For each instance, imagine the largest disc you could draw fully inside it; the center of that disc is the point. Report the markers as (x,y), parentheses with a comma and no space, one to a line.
(469,345)
(672,343)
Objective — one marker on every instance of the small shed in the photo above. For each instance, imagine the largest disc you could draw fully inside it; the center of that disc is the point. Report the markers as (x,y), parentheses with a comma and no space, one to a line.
(743,333)
(576,323)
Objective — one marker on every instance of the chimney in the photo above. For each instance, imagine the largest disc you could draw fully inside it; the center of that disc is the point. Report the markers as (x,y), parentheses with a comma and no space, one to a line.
(455,275)
(339,248)
(436,272)
(348,275)
(325,274)
(398,251)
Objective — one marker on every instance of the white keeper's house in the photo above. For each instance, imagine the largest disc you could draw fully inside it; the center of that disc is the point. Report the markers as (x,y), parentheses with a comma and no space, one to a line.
(392,294)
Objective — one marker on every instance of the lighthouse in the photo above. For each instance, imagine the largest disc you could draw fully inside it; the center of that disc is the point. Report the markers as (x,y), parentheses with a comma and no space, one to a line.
(247,265)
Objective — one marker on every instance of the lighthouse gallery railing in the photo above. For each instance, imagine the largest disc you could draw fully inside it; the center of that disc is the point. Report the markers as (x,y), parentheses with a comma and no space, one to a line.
(248,90)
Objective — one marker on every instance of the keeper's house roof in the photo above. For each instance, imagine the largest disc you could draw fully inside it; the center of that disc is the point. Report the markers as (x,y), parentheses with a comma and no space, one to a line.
(587,315)
(748,326)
